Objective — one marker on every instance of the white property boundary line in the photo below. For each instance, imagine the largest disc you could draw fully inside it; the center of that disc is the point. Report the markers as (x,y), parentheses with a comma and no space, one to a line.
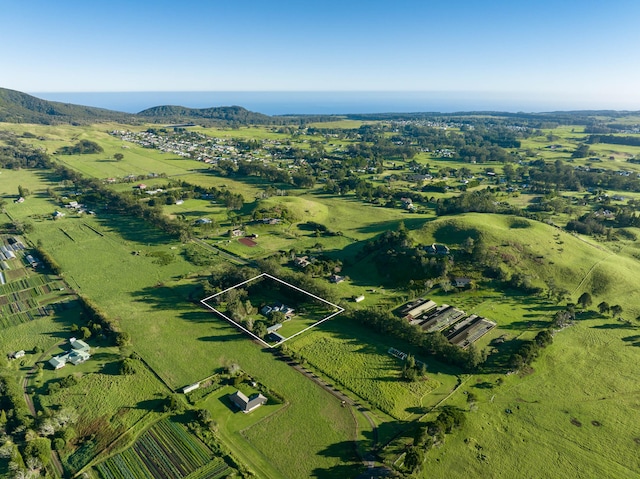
(204,301)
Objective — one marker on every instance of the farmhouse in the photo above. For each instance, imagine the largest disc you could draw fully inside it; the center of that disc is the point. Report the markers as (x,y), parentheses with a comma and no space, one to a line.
(17,354)
(78,354)
(58,362)
(236,233)
(461,282)
(247,404)
(283,308)
(436,248)
(76,357)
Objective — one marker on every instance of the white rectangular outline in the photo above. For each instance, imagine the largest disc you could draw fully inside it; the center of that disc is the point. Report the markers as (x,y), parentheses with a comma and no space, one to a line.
(204,301)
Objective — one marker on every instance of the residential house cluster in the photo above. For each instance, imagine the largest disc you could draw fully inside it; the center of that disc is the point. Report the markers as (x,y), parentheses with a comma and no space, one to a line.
(78,354)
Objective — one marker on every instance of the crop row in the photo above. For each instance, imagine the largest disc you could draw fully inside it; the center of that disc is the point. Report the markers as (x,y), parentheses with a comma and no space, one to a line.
(26,283)
(216,469)
(165,451)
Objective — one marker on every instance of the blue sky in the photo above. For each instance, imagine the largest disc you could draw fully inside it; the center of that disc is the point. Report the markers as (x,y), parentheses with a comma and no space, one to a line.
(564,48)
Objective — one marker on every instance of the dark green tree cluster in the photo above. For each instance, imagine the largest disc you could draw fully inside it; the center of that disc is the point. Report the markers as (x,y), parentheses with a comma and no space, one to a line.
(83,147)
(529,350)
(12,404)
(431,434)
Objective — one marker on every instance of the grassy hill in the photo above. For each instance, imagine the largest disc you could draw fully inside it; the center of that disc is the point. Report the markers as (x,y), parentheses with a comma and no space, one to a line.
(546,255)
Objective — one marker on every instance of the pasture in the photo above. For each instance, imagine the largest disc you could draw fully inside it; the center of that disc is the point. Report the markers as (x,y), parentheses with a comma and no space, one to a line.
(184,343)
(573,416)
(357,359)
(570,417)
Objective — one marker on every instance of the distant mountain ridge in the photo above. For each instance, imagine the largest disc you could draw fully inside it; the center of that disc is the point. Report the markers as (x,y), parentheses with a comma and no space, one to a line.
(18,107)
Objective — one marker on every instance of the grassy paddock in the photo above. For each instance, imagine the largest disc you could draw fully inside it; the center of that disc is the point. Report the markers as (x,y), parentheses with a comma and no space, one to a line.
(570,417)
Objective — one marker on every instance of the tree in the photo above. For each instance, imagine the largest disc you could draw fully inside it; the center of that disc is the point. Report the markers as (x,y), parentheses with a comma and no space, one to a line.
(118,157)
(123,338)
(585,300)
(582,151)
(127,367)
(616,310)
(604,307)
(22,191)
(39,448)
(86,332)
(173,404)
(412,459)
(544,338)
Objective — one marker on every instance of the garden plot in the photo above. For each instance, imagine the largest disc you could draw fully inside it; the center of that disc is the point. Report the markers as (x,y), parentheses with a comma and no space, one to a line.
(165,451)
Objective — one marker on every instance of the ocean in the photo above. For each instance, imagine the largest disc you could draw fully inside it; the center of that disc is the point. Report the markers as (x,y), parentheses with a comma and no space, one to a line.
(282,103)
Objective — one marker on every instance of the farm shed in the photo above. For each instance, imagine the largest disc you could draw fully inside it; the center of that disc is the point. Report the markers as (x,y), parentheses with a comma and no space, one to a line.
(416,309)
(274,328)
(276,337)
(191,387)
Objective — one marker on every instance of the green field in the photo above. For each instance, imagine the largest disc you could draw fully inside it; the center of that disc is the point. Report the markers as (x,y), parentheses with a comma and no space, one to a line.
(575,416)
(358,360)
(571,415)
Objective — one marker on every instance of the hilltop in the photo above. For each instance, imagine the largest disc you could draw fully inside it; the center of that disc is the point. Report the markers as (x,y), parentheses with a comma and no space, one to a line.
(225,113)
(18,107)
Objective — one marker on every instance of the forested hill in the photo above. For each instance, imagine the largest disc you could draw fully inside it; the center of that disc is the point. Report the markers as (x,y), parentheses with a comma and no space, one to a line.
(224,113)
(18,107)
